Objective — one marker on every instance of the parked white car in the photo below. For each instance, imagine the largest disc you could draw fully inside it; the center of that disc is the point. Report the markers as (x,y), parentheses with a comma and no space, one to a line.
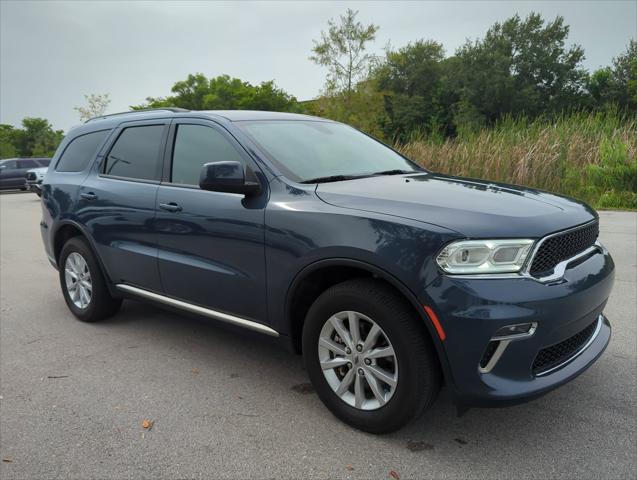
(34,179)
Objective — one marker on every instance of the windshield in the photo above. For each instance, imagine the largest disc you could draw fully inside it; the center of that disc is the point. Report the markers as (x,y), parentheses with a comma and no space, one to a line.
(309,150)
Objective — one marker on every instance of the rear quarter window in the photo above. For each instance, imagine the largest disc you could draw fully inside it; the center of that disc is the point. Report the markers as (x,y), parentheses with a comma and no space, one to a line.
(81,151)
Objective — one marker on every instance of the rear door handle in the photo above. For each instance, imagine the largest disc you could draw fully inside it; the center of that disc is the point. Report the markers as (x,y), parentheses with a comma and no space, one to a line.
(88,196)
(170,207)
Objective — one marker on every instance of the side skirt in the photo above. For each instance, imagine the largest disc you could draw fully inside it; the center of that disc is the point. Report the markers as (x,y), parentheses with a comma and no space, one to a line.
(189,307)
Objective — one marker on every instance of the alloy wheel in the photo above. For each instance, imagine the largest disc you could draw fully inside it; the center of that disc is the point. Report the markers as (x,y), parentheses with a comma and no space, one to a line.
(78,280)
(358,360)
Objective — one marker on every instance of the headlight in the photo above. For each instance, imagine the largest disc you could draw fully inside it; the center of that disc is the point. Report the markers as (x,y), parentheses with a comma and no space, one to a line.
(484,256)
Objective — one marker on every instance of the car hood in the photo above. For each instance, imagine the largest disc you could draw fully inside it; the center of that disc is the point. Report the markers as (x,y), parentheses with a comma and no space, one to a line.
(474,208)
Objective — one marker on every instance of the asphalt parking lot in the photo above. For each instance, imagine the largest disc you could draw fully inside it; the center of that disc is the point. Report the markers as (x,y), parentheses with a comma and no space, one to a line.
(73,396)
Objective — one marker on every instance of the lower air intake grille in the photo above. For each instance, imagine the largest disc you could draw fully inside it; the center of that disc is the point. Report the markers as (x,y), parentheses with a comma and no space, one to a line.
(554,355)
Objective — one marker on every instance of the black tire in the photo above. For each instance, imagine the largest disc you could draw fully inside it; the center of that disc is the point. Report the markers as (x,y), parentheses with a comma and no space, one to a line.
(101,304)
(419,373)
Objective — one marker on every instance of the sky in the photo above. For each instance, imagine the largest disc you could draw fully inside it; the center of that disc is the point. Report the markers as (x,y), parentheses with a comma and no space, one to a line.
(53,53)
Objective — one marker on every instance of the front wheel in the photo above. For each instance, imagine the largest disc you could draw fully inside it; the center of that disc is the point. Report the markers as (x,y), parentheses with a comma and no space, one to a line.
(369,357)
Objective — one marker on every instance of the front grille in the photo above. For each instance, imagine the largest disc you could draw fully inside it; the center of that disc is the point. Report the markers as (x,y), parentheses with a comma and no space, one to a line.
(552,356)
(561,247)
(31,176)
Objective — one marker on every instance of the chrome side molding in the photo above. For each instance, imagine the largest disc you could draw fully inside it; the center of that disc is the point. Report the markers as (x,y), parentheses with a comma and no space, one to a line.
(206,312)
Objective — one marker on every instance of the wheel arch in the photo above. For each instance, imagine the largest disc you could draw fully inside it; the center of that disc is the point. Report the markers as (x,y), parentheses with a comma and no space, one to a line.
(69,229)
(304,289)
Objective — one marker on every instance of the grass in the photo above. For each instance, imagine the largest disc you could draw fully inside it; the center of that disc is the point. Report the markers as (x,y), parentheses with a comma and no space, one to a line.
(589,156)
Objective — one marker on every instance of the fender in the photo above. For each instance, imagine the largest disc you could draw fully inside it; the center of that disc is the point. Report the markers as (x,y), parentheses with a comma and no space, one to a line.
(380,273)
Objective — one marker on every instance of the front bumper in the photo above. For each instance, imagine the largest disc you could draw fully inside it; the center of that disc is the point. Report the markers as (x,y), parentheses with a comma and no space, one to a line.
(471,310)
(34,186)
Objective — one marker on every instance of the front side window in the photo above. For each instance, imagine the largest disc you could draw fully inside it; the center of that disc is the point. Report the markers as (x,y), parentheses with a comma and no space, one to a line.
(79,152)
(196,145)
(306,150)
(136,153)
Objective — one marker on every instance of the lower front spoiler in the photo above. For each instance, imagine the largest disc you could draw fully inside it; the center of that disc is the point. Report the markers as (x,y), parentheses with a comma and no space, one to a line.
(522,392)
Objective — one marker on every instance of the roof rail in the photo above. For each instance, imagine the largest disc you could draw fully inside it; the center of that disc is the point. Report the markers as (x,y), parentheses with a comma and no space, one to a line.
(167,109)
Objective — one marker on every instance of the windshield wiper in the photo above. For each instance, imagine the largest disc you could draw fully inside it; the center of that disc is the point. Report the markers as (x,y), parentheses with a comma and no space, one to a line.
(332,178)
(340,178)
(394,172)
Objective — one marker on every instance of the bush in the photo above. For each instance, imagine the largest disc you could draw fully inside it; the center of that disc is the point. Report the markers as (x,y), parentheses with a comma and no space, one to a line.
(590,156)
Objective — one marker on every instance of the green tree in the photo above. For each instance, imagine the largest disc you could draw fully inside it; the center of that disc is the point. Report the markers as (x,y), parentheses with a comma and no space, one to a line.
(36,138)
(197,92)
(521,67)
(7,148)
(342,49)
(617,84)
(414,86)
(363,109)
(599,86)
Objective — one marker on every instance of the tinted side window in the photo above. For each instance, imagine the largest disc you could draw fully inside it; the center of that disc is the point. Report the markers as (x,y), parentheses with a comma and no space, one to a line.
(80,151)
(9,165)
(136,153)
(27,164)
(196,145)
(43,162)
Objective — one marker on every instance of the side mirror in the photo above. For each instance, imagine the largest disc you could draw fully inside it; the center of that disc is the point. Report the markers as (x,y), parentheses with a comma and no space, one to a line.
(228,177)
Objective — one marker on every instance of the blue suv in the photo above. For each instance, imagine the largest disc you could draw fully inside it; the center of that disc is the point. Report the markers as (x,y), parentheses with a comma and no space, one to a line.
(390,280)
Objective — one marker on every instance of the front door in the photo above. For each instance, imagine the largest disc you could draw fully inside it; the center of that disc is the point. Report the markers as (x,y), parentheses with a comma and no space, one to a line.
(211,244)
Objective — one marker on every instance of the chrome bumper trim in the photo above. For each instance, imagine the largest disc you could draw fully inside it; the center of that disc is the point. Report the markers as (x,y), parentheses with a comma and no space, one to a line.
(504,343)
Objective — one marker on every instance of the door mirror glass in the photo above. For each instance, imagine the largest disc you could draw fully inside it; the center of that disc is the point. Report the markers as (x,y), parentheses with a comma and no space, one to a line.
(228,177)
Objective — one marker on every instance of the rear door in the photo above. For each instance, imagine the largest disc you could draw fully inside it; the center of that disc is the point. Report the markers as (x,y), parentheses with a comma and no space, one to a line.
(117,203)
(8,170)
(211,244)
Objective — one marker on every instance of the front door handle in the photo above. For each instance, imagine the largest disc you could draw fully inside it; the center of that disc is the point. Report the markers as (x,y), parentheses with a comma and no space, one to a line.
(88,196)
(170,207)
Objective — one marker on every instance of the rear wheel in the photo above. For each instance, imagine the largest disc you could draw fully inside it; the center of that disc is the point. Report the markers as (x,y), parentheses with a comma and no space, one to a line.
(368,356)
(83,283)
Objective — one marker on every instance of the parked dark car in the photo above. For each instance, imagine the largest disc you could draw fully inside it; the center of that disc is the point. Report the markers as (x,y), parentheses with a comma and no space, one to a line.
(390,280)
(13,171)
